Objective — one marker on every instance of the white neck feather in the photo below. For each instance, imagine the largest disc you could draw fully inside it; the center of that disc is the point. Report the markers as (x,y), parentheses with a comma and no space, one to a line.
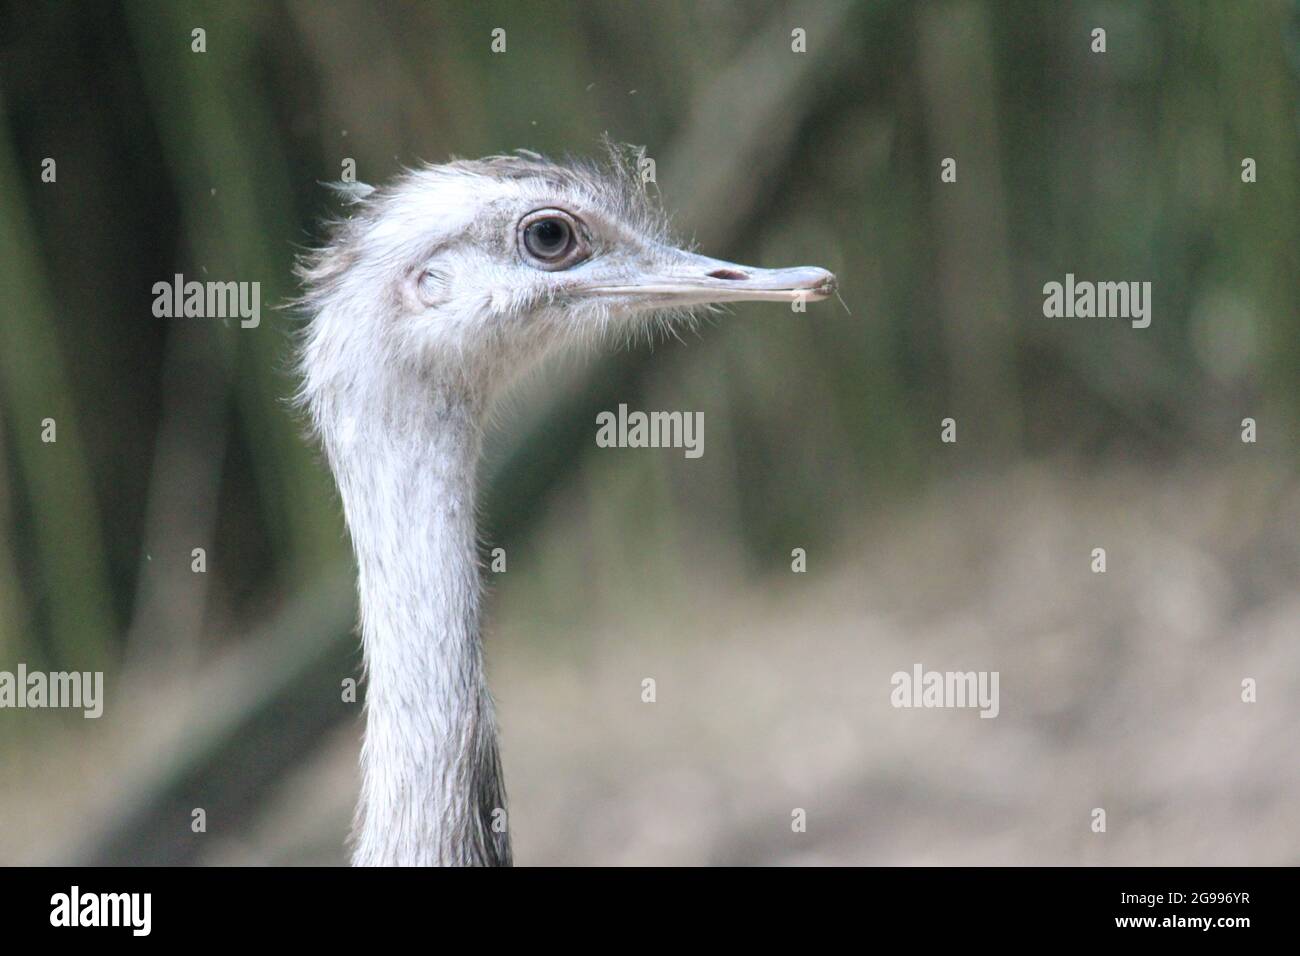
(431,781)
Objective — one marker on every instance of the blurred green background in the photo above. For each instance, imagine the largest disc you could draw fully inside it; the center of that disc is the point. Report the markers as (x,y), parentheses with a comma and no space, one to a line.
(822,430)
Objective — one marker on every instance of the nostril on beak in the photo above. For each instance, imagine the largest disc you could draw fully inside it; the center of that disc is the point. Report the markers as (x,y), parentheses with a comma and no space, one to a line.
(727,274)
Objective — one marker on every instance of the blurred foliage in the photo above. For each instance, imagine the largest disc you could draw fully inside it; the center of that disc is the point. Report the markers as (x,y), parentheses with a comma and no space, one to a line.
(1123,166)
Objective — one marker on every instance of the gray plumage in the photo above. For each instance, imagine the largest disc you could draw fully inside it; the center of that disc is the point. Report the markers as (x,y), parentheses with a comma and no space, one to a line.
(425,302)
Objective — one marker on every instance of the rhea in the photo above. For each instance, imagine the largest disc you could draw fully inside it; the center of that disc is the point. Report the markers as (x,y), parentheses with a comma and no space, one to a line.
(423,303)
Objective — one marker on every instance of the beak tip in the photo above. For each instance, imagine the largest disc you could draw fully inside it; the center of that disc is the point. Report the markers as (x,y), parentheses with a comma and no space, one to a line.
(825,286)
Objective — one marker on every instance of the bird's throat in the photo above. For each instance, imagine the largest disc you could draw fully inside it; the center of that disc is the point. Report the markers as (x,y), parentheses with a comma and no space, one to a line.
(432,791)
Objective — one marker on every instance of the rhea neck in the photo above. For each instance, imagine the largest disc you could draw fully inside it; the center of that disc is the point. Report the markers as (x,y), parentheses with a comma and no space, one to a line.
(404,448)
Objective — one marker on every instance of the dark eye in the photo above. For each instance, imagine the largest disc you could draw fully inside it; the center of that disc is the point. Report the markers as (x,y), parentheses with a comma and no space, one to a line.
(551,239)
(548,238)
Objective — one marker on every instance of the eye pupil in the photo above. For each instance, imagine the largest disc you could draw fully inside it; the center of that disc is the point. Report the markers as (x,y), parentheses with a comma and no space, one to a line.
(547,238)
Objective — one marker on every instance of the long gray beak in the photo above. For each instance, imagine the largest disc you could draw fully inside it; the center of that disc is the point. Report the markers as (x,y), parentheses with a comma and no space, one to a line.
(698,280)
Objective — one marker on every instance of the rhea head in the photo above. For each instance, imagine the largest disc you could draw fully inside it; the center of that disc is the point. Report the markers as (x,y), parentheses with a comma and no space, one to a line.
(471,270)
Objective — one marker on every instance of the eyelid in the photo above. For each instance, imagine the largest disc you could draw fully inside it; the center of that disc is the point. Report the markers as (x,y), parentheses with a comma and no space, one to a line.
(582,244)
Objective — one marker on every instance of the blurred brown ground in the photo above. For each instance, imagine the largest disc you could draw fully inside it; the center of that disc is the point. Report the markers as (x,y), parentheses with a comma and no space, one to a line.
(1119,691)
